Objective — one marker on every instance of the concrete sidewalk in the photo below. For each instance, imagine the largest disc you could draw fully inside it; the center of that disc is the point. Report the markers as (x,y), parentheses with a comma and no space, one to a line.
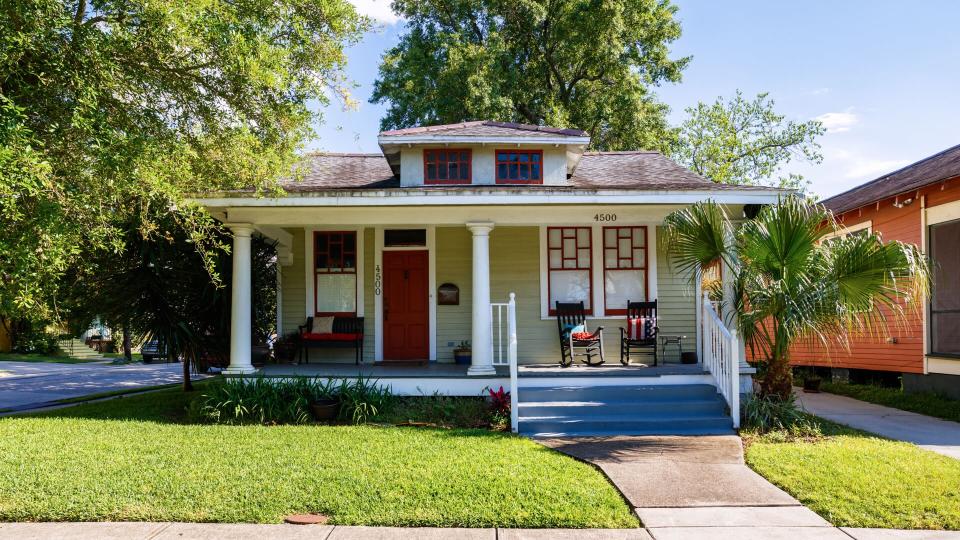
(233,531)
(941,436)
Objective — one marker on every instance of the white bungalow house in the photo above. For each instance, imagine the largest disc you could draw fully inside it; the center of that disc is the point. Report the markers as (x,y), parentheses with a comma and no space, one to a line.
(429,240)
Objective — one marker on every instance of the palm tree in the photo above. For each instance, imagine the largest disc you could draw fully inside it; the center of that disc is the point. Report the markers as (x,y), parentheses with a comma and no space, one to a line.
(790,282)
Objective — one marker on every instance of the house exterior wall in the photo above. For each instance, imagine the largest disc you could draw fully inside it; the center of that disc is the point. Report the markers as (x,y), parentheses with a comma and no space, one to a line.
(895,347)
(514,267)
(484,163)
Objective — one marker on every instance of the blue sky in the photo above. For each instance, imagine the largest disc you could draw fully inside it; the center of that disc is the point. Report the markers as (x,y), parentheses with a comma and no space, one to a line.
(883,76)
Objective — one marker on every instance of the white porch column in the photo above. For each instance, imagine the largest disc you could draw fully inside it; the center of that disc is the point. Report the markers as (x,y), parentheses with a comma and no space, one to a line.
(240,323)
(482,338)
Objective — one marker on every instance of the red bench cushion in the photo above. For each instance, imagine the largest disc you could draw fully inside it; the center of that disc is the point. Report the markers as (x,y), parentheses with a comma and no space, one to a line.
(309,336)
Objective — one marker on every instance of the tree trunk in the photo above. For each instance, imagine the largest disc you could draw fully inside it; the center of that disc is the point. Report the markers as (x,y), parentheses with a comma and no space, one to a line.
(778,380)
(127,348)
(187,384)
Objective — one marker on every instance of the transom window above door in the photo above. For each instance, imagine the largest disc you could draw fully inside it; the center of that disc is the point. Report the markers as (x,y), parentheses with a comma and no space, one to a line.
(447,166)
(519,166)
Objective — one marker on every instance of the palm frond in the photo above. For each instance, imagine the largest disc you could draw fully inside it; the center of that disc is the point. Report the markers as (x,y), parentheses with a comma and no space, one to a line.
(696,237)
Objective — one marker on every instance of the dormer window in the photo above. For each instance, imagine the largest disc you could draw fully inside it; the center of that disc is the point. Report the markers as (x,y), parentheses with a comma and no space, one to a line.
(446,166)
(519,166)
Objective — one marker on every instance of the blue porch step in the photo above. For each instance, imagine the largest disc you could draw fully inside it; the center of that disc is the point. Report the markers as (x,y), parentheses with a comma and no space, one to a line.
(669,409)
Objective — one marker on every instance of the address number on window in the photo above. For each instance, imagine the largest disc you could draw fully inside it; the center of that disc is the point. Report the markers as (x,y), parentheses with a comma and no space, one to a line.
(604,217)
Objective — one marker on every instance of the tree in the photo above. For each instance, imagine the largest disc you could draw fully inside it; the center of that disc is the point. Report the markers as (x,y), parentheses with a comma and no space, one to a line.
(108,106)
(789,284)
(746,142)
(589,65)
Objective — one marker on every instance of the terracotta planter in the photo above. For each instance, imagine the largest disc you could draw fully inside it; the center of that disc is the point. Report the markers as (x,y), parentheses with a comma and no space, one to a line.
(326,409)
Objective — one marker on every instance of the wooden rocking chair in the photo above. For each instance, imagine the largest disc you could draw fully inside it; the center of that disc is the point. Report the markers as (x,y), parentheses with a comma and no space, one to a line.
(575,339)
(640,335)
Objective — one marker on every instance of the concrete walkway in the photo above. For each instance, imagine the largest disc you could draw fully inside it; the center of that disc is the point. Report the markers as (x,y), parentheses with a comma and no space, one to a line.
(203,531)
(27,385)
(683,487)
(941,436)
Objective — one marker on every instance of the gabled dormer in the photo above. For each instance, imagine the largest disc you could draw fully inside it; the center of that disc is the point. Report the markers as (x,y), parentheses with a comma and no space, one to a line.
(483,153)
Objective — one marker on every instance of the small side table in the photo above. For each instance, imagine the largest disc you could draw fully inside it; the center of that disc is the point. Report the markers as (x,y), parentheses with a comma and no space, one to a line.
(667,339)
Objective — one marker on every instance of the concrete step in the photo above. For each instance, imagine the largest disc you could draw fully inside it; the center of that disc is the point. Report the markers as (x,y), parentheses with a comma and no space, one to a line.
(630,393)
(652,409)
(589,428)
(75,348)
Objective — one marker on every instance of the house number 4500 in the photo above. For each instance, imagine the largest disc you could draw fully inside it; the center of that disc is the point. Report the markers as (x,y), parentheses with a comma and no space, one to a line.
(604,217)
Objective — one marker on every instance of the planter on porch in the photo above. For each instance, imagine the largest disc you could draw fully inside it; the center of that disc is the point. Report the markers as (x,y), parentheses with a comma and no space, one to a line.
(463,355)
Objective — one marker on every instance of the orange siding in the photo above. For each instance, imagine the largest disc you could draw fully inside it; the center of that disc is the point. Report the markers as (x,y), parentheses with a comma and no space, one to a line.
(875,351)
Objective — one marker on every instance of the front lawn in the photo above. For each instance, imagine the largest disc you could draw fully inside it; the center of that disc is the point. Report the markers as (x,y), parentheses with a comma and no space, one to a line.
(136,458)
(854,479)
(924,403)
(54,358)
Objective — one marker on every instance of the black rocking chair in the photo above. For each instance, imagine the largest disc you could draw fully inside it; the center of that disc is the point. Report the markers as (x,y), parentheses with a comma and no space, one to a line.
(574,336)
(637,311)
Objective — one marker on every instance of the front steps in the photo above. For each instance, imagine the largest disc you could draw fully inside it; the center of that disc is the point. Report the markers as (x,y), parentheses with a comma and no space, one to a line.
(630,409)
(77,349)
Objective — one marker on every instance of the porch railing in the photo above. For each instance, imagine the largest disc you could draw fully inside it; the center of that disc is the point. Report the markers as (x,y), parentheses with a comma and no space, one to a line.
(504,336)
(721,357)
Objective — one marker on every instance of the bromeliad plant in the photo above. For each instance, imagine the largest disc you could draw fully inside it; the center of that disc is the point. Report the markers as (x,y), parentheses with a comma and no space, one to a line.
(790,283)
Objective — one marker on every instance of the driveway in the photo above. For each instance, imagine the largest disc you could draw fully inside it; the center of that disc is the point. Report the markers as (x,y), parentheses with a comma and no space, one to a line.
(26,385)
(941,436)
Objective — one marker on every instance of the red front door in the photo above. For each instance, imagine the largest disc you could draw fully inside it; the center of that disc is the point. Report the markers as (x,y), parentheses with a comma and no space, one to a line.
(405,306)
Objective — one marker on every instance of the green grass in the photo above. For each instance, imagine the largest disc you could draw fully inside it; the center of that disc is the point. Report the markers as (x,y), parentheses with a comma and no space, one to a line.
(924,403)
(136,458)
(136,357)
(854,479)
(55,358)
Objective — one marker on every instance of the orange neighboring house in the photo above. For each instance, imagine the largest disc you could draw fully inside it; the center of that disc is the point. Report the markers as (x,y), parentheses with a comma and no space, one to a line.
(920,204)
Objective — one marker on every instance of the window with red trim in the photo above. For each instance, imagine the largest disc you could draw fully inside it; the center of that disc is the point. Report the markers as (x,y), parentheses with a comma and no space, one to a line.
(569,263)
(335,269)
(624,267)
(447,166)
(519,166)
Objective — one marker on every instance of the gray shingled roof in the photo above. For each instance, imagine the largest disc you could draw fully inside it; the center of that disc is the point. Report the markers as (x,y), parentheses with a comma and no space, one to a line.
(936,168)
(641,170)
(486,128)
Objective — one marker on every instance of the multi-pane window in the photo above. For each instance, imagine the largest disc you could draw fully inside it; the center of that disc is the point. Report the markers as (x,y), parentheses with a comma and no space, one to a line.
(519,166)
(945,296)
(569,266)
(624,267)
(335,266)
(446,166)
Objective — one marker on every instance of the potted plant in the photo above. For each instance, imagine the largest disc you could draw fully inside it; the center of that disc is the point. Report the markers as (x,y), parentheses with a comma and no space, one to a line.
(326,401)
(811,384)
(285,348)
(462,354)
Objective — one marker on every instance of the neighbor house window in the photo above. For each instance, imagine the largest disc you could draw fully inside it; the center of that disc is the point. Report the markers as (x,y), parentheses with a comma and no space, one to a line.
(624,267)
(446,166)
(945,297)
(519,166)
(335,268)
(569,266)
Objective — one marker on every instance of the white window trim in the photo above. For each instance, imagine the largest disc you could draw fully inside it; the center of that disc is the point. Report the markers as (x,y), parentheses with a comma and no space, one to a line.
(596,267)
(311,277)
(935,215)
(379,248)
(844,231)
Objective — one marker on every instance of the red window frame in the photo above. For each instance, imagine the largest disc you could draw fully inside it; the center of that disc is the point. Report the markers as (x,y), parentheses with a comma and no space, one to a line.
(431,156)
(335,238)
(628,257)
(528,164)
(551,309)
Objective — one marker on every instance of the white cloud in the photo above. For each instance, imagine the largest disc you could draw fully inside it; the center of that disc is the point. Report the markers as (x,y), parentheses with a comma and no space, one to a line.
(378,10)
(838,122)
(820,91)
(870,169)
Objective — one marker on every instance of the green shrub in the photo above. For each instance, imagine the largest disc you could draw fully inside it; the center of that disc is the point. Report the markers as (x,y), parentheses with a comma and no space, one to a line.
(362,399)
(766,414)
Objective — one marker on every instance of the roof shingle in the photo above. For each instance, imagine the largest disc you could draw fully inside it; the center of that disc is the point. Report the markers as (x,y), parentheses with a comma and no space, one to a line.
(936,168)
(486,128)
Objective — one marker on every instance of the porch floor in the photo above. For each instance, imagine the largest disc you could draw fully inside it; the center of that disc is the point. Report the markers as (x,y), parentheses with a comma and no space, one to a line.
(436,370)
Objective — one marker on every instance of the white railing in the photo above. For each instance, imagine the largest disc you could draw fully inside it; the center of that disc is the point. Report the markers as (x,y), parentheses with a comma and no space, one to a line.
(506,341)
(721,357)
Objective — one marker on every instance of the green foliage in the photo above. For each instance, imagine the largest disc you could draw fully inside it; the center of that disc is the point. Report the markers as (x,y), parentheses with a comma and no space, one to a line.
(766,414)
(927,403)
(854,479)
(110,106)
(132,459)
(788,284)
(589,65)
(30,337)
(739,141)
(361,399)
